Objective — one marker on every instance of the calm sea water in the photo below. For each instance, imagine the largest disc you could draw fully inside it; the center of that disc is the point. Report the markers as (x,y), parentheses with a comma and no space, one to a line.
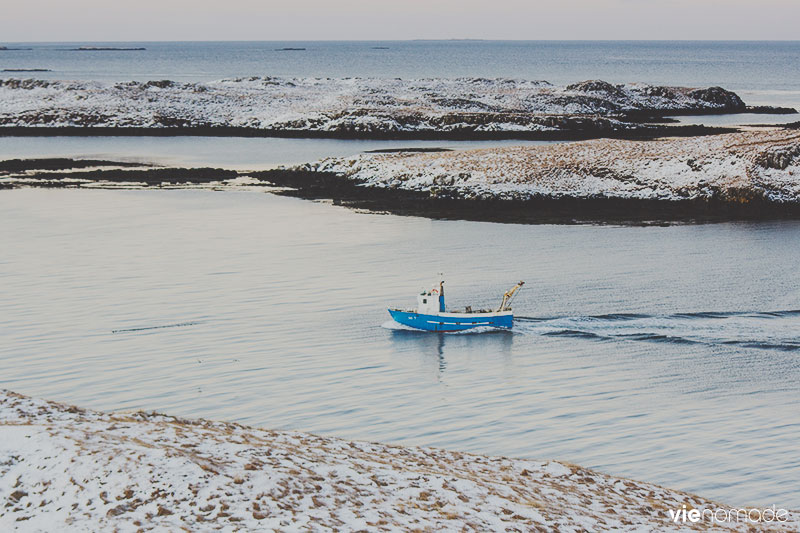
(226,152)
(762,72)
(669,354)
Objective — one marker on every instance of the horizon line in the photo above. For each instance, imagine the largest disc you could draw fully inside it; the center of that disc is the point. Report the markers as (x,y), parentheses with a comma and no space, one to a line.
(465,39)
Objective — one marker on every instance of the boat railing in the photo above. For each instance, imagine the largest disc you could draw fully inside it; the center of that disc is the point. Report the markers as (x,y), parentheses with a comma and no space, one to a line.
(470,311)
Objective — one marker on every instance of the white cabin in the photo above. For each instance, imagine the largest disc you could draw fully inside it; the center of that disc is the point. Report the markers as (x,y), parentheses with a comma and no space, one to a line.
(428,304)
(431,302)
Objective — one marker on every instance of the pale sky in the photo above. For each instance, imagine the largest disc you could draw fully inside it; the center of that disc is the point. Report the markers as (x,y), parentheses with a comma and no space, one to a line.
(143,20)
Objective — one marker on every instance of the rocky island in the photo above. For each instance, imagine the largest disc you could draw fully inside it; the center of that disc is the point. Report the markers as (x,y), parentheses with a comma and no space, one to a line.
(753,170)
(432,108)
(751,174)
(629,165)
(747,175)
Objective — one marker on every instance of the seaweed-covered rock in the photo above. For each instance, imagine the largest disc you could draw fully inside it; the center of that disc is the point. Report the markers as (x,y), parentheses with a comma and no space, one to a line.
(596,86)
(161,84)
(719,97)
(27,84)
(660,91)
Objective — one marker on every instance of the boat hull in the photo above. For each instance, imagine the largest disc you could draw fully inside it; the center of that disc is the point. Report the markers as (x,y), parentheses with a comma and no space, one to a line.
(453,321)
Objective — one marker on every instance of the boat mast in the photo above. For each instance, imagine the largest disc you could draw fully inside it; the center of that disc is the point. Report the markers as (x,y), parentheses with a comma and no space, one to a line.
(508,295)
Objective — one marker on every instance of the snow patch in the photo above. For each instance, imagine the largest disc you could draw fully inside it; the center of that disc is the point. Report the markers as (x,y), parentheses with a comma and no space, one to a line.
(69,469)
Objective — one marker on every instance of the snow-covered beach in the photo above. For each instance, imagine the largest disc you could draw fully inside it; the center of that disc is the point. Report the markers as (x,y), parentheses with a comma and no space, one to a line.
(69,469)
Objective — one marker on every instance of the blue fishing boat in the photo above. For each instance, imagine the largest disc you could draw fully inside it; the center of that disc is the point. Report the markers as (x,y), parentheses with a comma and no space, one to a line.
(431,314)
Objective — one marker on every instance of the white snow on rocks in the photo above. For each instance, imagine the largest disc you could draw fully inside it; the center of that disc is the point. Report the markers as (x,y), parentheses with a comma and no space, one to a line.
(67,469)
(339,105)
(740,167)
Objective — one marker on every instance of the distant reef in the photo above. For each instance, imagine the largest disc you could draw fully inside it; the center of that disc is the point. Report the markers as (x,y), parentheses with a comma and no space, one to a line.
(107,49)
(462,108)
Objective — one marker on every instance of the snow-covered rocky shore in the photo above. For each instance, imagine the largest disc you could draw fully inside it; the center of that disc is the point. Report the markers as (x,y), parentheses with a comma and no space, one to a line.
(747,167)
(64,468)
(348,106)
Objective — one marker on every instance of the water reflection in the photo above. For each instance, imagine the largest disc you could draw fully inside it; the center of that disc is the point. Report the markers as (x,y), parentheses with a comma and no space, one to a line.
(436,347)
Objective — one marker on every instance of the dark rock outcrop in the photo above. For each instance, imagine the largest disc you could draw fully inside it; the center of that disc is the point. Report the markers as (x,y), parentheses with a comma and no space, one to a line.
(719,97)
(596,86)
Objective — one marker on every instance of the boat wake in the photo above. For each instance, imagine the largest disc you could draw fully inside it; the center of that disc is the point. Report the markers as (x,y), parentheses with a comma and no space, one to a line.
(391,324)
(774,330)
(148,328)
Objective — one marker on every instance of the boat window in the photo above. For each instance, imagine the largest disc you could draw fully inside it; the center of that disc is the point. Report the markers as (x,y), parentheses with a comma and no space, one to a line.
(424,300)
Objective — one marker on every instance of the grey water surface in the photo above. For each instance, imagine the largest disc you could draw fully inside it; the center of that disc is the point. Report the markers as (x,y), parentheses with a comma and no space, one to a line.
(226,152)
(667,354)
